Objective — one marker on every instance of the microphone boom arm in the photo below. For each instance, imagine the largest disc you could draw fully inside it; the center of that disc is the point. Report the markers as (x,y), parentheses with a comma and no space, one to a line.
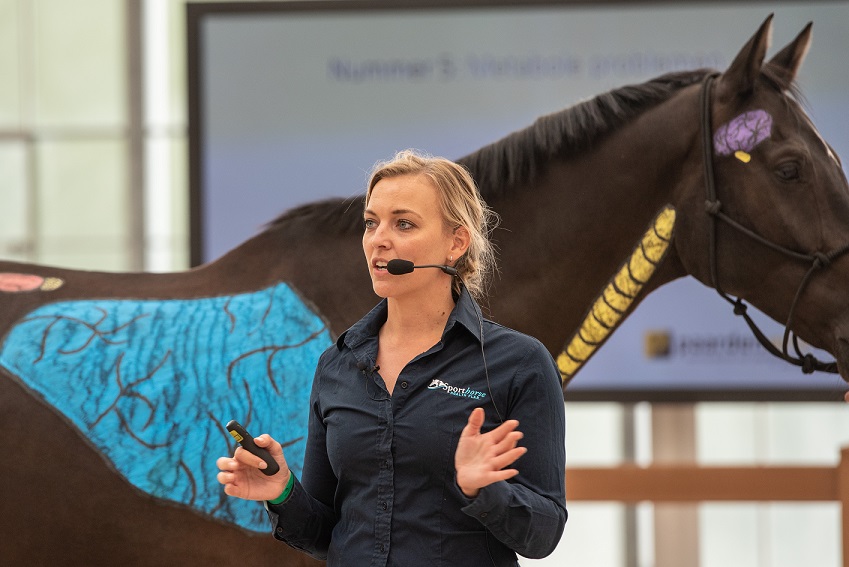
(399,267)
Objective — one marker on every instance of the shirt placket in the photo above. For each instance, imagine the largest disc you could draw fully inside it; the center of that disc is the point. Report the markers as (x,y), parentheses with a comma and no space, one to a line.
(385,481)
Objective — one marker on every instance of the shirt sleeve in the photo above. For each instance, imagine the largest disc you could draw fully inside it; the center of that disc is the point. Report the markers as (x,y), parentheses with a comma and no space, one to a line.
(305,520)
(528,512)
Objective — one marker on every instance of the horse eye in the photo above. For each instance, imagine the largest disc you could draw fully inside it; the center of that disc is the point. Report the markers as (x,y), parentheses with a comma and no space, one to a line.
(788,171)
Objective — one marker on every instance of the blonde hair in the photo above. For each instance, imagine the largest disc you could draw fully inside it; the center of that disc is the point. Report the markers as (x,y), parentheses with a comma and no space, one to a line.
(461,204)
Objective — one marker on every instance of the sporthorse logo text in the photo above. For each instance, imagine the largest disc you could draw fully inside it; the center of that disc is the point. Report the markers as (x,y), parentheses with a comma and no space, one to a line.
(438,384)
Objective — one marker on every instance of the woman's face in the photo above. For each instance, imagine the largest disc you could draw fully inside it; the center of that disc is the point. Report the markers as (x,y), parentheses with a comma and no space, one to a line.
(403,219)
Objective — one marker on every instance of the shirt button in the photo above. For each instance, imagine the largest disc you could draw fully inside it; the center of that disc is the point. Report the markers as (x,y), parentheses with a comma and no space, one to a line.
(383,505)
(382,548)
(483,514)
(404,384)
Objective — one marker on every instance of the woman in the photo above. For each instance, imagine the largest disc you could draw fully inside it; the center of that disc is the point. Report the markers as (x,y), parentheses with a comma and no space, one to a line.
(412,455)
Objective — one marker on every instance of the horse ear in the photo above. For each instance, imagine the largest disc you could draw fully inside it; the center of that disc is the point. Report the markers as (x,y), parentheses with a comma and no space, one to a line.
(787,61)
(739,79)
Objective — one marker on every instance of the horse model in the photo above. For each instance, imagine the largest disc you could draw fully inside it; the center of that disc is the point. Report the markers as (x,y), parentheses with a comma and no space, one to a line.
(114,387)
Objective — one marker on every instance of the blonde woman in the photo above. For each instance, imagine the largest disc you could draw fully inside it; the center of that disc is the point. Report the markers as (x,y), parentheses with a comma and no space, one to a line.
(415,454)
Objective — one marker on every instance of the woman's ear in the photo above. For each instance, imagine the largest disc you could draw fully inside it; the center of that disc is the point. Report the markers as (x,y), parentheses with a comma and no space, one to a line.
(460,241)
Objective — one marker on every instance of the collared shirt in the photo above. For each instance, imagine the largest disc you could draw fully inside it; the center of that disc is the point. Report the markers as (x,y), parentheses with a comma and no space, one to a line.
(378,483)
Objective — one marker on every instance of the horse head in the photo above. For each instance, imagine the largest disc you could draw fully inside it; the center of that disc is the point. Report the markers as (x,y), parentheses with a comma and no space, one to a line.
(768,218)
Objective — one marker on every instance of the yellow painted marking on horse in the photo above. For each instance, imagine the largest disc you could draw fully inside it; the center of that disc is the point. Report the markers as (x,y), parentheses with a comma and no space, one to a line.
(51,284)
(742,156)
(618,295)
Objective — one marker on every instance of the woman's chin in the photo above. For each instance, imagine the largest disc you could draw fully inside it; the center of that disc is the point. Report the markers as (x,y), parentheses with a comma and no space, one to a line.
(382,288)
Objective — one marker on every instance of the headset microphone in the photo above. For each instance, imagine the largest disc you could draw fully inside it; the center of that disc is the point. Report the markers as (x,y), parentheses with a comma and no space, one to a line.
(399,267)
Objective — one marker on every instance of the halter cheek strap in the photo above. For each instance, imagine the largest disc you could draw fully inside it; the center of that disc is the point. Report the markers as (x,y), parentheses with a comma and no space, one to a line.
(818,260)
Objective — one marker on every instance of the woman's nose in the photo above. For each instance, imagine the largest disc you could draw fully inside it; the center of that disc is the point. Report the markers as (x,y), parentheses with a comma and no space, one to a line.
(380,238)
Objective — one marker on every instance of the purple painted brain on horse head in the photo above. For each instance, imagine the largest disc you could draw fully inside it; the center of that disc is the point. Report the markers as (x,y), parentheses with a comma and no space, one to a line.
(742,134)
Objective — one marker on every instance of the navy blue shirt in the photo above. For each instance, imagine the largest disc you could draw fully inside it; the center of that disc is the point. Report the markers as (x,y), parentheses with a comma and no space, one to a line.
(378,483)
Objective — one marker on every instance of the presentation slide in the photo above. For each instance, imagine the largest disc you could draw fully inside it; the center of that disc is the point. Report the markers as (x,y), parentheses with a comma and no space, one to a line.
(297,105)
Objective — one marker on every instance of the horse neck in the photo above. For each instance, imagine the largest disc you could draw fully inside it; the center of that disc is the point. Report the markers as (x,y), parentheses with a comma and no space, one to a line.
(571,232)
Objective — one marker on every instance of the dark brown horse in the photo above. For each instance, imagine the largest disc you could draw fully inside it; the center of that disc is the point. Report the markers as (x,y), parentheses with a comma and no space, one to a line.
(601,170)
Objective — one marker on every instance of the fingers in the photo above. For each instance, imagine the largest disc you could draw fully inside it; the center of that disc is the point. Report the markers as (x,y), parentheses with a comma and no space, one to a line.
(473,427)
(226,464)
(506,439)
(267,442)
(499,433)
(500,440)
(264,441)
(509,442)
(248,459)
(225,478)
(476,419)
(506,451)
(228,467)
(243,461)
(503,474)
(508,458)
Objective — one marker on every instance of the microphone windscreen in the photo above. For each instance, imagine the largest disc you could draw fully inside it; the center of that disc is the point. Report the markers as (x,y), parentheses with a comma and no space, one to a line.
(398,267)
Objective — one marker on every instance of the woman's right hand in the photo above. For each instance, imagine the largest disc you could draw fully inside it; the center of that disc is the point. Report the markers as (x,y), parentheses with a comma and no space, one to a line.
(242,477)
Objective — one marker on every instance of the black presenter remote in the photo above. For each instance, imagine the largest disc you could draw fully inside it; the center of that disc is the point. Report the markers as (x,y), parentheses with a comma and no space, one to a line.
(246,440)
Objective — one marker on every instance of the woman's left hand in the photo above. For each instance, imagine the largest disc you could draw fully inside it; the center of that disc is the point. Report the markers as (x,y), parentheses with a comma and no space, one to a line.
(481,457)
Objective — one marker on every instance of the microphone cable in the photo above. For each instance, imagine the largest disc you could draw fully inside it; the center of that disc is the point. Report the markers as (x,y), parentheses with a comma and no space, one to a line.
(479,313)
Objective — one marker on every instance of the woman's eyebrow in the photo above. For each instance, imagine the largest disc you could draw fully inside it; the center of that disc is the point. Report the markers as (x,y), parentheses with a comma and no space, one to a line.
(395,212)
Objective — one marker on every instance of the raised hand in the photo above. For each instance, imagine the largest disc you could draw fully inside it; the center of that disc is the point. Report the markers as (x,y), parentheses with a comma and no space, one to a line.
(241,474)
(481,457)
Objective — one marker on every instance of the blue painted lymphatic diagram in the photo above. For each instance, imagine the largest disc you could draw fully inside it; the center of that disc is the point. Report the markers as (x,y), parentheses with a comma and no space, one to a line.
(151,383)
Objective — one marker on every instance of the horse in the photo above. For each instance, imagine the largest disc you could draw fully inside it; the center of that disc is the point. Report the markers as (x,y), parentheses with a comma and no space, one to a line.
(107,468)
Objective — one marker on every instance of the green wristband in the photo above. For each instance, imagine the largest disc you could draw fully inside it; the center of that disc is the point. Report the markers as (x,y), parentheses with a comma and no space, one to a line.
(286,491)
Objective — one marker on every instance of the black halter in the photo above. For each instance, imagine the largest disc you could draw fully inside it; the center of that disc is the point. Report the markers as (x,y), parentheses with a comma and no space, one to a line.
(818,260)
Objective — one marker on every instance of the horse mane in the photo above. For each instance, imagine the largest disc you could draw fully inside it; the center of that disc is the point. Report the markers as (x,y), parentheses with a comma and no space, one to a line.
(520,157)
(335,215)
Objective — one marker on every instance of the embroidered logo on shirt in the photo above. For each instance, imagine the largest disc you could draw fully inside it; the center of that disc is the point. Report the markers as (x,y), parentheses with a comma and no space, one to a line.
(438,384)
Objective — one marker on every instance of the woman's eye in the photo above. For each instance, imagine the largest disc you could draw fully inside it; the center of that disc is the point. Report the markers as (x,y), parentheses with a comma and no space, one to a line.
(405,224)
(788,171)
(369,224)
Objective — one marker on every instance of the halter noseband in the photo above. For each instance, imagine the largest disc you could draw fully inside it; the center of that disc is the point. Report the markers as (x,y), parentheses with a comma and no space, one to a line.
(818,260)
